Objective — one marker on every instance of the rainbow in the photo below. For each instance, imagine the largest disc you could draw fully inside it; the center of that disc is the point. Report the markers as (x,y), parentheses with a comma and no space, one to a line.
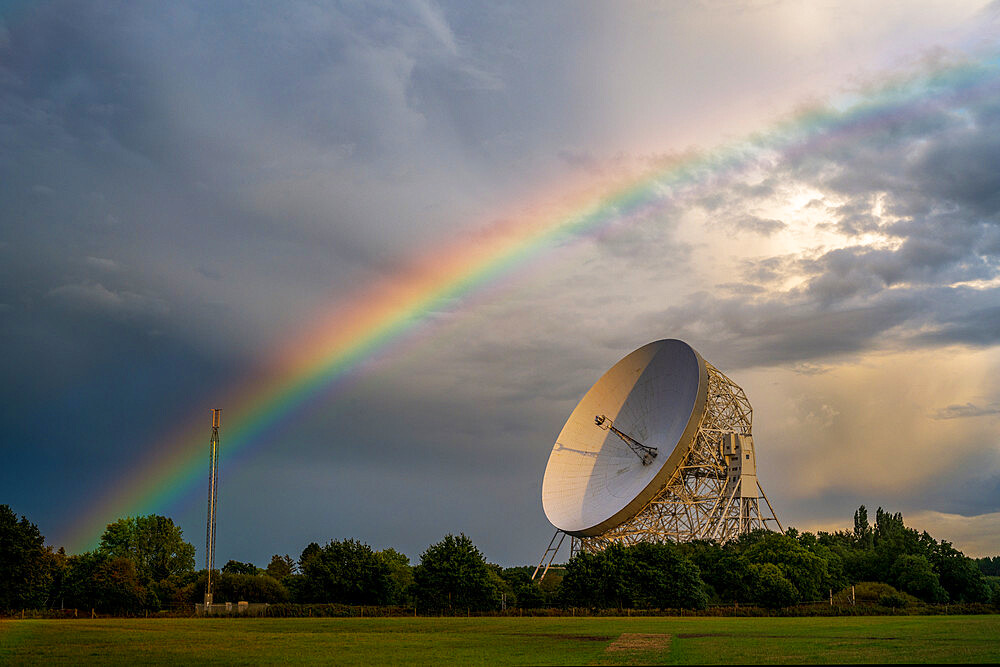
(367,326)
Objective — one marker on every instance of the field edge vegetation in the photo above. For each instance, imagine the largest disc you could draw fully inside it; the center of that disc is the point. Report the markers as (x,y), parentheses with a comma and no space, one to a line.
(143,566)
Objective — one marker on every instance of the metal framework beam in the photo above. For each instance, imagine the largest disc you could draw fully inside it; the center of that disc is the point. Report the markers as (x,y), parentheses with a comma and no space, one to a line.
(549,555)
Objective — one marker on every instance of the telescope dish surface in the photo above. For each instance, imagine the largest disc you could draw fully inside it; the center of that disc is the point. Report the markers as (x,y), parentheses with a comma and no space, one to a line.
(654,398)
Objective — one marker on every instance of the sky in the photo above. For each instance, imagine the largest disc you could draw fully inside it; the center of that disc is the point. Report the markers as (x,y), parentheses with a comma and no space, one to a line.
(396,243)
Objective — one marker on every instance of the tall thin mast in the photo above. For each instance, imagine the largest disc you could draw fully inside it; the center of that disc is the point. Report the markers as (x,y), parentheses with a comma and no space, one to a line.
(213,490)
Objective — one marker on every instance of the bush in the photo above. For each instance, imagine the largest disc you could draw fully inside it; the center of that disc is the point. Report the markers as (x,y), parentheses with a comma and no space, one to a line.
(530,596)
(248,587)
(893,600)
(872,592)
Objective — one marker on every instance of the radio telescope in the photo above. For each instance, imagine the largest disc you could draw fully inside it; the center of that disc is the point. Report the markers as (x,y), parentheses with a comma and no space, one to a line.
(659,449)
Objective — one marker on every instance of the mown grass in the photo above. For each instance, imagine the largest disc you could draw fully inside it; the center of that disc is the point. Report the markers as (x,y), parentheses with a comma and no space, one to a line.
(504,641)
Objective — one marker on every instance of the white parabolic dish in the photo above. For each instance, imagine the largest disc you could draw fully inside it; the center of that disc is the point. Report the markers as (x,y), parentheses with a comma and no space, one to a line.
(594,481)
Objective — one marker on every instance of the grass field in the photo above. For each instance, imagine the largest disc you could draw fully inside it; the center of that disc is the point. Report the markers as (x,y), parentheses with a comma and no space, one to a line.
(508,641)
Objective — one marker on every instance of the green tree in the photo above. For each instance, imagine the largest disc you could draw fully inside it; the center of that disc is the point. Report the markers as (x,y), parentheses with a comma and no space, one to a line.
(528,594)
(893,539)
(958,574)
(311,551)
(993,589)
(59,562)
(109,584)
(281,566)
(805,570)
(179,591)
(863,536)
(299,588)
(237,567)
(118,589)
(347,571)
(913,574)
(768,586)
(835,578)
(153,543)
(589,581)
(453,574)
(641,575)
(25,564)
(551,584)
(732,577)
(399,571)
(617,590)
(989,565)
(659,576)
(236,586)
(78,580)
(707,557)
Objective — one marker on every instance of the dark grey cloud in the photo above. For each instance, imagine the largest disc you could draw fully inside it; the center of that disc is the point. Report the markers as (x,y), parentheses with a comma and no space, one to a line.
(751,224)
(764,226)
(751,330)
(185,186)
(979,325)
(741,332)
(217,165)
(966,410)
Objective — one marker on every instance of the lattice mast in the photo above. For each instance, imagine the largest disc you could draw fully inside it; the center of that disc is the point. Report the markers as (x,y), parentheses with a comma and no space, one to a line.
(213,491)
(712,494)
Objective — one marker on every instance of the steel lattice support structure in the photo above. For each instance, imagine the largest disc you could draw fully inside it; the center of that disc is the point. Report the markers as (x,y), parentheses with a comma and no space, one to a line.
(213,492)
(702,499)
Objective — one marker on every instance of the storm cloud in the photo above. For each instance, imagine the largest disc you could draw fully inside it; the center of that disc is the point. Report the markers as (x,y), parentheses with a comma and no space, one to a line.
(186,188)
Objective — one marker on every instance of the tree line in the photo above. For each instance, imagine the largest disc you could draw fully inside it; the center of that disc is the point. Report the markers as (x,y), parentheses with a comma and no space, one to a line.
(143,564)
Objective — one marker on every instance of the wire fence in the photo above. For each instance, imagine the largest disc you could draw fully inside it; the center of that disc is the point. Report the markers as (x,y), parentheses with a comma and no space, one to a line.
(289,610)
